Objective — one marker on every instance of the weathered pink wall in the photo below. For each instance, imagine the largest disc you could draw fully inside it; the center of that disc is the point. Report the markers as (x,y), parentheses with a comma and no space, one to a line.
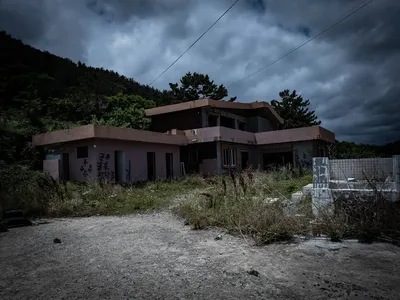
(52,166)
(136,153)
(80,169)
(100,162)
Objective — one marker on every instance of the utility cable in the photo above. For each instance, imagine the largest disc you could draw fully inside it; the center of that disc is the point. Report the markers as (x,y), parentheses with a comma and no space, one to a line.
(194,43)
(352,12)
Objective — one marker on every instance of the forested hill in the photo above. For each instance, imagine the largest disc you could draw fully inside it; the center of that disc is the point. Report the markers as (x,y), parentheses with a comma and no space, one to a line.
(40,91)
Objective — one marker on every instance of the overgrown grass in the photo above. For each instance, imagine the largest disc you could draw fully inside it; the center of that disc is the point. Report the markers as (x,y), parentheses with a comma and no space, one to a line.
(256,204)
(368,219)
(39,195)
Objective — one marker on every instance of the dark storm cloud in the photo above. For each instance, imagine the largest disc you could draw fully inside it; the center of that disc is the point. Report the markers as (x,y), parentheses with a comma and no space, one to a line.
(349,73)
(56,26)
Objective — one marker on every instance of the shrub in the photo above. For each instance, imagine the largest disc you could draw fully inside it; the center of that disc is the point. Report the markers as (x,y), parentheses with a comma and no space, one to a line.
(248,203)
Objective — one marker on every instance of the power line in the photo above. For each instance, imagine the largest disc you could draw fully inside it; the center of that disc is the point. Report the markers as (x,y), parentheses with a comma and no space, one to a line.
(354,11)
(194,43)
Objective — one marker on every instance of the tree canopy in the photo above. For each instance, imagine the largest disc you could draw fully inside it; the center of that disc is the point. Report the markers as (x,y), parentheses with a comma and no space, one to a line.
(197,86)
(294,110)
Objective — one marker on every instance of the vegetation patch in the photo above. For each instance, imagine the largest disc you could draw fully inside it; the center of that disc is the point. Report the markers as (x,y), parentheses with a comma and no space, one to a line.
(39,195)
(254,204)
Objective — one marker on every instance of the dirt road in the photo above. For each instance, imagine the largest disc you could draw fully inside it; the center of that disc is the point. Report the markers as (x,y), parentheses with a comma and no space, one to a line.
(155,256)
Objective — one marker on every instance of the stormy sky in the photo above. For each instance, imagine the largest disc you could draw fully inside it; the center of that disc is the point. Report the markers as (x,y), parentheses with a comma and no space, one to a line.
(349,74)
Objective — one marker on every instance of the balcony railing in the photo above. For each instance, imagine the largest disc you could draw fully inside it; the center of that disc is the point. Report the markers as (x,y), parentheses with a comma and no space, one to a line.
(218,133)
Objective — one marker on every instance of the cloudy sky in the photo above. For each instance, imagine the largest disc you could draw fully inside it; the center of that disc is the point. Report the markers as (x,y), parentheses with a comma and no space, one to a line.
(349,74)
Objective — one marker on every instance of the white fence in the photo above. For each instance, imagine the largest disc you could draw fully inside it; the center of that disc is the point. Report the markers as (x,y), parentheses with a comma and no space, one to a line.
(361,169)
(354,176)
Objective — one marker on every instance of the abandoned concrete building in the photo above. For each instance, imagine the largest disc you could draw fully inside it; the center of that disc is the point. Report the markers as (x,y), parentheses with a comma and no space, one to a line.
(204,136)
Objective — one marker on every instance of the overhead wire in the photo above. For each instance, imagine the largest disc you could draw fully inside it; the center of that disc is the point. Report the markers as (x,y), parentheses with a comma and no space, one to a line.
(195,42)
(351,13)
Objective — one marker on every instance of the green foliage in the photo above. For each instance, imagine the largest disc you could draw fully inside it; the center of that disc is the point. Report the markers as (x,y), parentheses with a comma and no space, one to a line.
(294,110)
(349,150)
(41,92)
(197,86)
(126,111)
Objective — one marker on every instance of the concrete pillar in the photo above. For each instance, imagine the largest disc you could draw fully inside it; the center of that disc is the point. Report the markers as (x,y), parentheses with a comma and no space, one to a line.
(321,195)
(204,118)
(396,171)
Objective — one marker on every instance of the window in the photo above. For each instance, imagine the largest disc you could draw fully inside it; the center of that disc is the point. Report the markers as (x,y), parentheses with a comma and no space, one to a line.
(242,125)
(227,122)
(212,120)
(193,156)
(82,152)
(229,157)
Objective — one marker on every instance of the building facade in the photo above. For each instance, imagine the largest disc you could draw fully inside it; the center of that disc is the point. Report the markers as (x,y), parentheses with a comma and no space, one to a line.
(203,136)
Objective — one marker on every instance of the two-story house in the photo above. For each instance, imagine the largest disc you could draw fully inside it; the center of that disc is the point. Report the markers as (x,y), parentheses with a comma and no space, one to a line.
(205,136)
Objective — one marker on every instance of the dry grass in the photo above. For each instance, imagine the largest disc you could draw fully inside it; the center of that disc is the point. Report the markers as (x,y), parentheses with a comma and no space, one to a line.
(39,195)
(368,219)
(256,204)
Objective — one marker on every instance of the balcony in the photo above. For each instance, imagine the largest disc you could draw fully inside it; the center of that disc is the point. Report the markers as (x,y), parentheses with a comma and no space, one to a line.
(224,134)
(294,135)
(218,133)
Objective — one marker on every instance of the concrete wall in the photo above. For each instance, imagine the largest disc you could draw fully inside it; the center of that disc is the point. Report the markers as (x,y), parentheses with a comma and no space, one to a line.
(135,159)
(80,169)
(378,168)
(209,166)
(52,166)
(303,154)
(327,188)
(100,163)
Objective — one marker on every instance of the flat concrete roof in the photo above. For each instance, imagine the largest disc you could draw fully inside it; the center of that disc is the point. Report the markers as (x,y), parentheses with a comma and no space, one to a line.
(200,135)
(107,132)
(211,103)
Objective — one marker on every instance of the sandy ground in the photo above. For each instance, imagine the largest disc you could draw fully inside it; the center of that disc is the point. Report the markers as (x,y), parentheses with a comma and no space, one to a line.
(155,256)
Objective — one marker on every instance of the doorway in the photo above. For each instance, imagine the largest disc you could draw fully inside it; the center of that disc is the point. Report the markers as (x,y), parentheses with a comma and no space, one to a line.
(151,166)
(65,166)
(119,158)
(244,159)
(169,161)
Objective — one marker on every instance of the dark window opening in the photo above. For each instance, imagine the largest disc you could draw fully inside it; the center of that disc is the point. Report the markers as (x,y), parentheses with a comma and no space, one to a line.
(227,122)
(212,120)
(82,152)
(274,161)
(244,159)
(169,165)
(242,126)
(151,166)
(321,152)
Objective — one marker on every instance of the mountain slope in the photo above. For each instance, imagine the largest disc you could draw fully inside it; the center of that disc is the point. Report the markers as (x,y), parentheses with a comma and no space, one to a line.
(40,91)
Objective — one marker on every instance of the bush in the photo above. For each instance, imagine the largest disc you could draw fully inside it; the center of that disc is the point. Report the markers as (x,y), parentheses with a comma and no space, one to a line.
(255,204)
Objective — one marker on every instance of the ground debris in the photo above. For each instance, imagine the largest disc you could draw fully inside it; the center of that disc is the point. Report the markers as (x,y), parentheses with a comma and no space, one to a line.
(253,272)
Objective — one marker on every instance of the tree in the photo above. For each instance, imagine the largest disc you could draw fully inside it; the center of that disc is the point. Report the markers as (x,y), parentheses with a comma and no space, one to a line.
(197,86)
(294,110)
(126,111)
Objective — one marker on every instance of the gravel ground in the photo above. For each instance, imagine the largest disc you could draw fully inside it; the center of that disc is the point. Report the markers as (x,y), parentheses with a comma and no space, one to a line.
(155,256)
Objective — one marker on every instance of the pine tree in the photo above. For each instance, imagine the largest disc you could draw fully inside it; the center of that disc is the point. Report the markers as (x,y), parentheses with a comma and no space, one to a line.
(294,110)
(197,86)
